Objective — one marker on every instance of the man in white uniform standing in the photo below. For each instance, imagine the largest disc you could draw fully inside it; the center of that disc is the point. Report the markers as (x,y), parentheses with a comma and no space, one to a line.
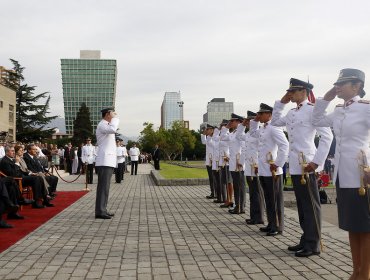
(134,153)
(106,160)
(88,158)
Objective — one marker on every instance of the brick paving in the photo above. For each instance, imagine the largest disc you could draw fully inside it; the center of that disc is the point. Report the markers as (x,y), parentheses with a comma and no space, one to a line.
(166,232)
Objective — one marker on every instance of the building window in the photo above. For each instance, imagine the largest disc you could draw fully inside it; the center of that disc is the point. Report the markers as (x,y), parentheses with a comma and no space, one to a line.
(11,114)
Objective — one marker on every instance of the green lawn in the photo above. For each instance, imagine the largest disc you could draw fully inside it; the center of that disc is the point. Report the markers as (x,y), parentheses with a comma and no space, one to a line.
(169,171)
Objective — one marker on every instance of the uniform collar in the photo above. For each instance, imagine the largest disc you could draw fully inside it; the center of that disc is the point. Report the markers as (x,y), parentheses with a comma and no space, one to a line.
(304,102)
(351,101)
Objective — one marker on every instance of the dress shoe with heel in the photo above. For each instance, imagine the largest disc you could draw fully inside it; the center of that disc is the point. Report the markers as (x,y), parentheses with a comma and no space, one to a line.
(210,196)
(110,214)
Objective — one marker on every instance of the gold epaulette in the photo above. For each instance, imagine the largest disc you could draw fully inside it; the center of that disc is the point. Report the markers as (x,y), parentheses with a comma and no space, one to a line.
(364,101)
(339,105)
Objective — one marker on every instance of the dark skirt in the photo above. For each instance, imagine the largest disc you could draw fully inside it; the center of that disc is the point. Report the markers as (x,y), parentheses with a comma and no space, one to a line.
(353,210)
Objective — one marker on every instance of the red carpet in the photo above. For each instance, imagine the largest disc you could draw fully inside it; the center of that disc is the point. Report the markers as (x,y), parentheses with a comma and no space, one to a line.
(35,218)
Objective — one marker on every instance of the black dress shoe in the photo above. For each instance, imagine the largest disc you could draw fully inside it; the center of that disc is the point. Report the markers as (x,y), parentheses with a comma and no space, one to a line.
(48,204)
(265,229)
(12,208)
(253,222)
(306,253)
(110,214)
(104,217)
(234,211)
(3,224)
(15,216)
(227,205)
(295,248)
(37,206)
(210,197)
(272,233)
(26,201)
(217,201)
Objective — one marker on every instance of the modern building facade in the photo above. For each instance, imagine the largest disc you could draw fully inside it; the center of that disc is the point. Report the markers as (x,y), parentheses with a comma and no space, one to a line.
(217,110)
(90,80)
(172,109)
(7,114)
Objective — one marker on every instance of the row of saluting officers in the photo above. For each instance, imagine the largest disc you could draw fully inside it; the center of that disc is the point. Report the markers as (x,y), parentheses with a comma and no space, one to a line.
(254,149)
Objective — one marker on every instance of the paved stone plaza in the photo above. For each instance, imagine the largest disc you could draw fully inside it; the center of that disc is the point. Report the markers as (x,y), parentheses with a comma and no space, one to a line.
(166,232)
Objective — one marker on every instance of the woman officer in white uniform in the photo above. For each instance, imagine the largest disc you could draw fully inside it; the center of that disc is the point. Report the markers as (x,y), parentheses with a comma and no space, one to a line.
(351,124)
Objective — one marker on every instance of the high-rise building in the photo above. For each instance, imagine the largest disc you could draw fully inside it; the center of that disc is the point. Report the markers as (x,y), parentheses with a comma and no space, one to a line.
(90,80)
(217,110)
(172,109)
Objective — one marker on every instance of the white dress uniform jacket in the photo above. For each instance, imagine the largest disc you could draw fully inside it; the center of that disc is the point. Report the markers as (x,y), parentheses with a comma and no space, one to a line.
(249,151)
(134,153)
(271,139)
(224,149)
(207,140)
(351,124)
(235,148)
(88,154)
(216,149)
(301,132)
(106,140)
(121,154)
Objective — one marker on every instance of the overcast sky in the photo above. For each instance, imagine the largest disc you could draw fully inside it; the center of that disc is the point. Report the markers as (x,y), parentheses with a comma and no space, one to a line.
(245,51)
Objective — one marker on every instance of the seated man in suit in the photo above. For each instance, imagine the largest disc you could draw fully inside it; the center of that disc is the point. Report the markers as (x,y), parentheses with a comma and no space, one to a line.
(35,166)
(7,204)
(10,166)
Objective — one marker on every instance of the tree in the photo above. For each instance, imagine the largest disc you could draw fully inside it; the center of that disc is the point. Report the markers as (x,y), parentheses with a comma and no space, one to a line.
(31,108)
(82,127)
(199,149)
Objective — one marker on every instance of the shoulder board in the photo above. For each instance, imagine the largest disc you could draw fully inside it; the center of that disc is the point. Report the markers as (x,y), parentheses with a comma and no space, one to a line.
(339,105)
(311,104)
(364,101)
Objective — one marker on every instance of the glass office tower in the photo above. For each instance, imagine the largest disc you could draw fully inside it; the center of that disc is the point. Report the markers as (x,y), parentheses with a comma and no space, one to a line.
(88,80)
(172,109)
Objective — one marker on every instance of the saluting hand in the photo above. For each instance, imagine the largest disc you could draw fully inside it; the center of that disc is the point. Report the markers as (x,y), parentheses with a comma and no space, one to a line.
(245,122)
(286,98)
(331,94)
(311,167)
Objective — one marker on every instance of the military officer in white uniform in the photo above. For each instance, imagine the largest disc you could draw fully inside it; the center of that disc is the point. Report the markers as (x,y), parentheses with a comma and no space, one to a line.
(235,164)
(272,155)
(134,153)
(216,165)
(250,157)
(226,180)
(206,138)
(351,124)
(121,157)
(88,159)
(106,160)
(303,154)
